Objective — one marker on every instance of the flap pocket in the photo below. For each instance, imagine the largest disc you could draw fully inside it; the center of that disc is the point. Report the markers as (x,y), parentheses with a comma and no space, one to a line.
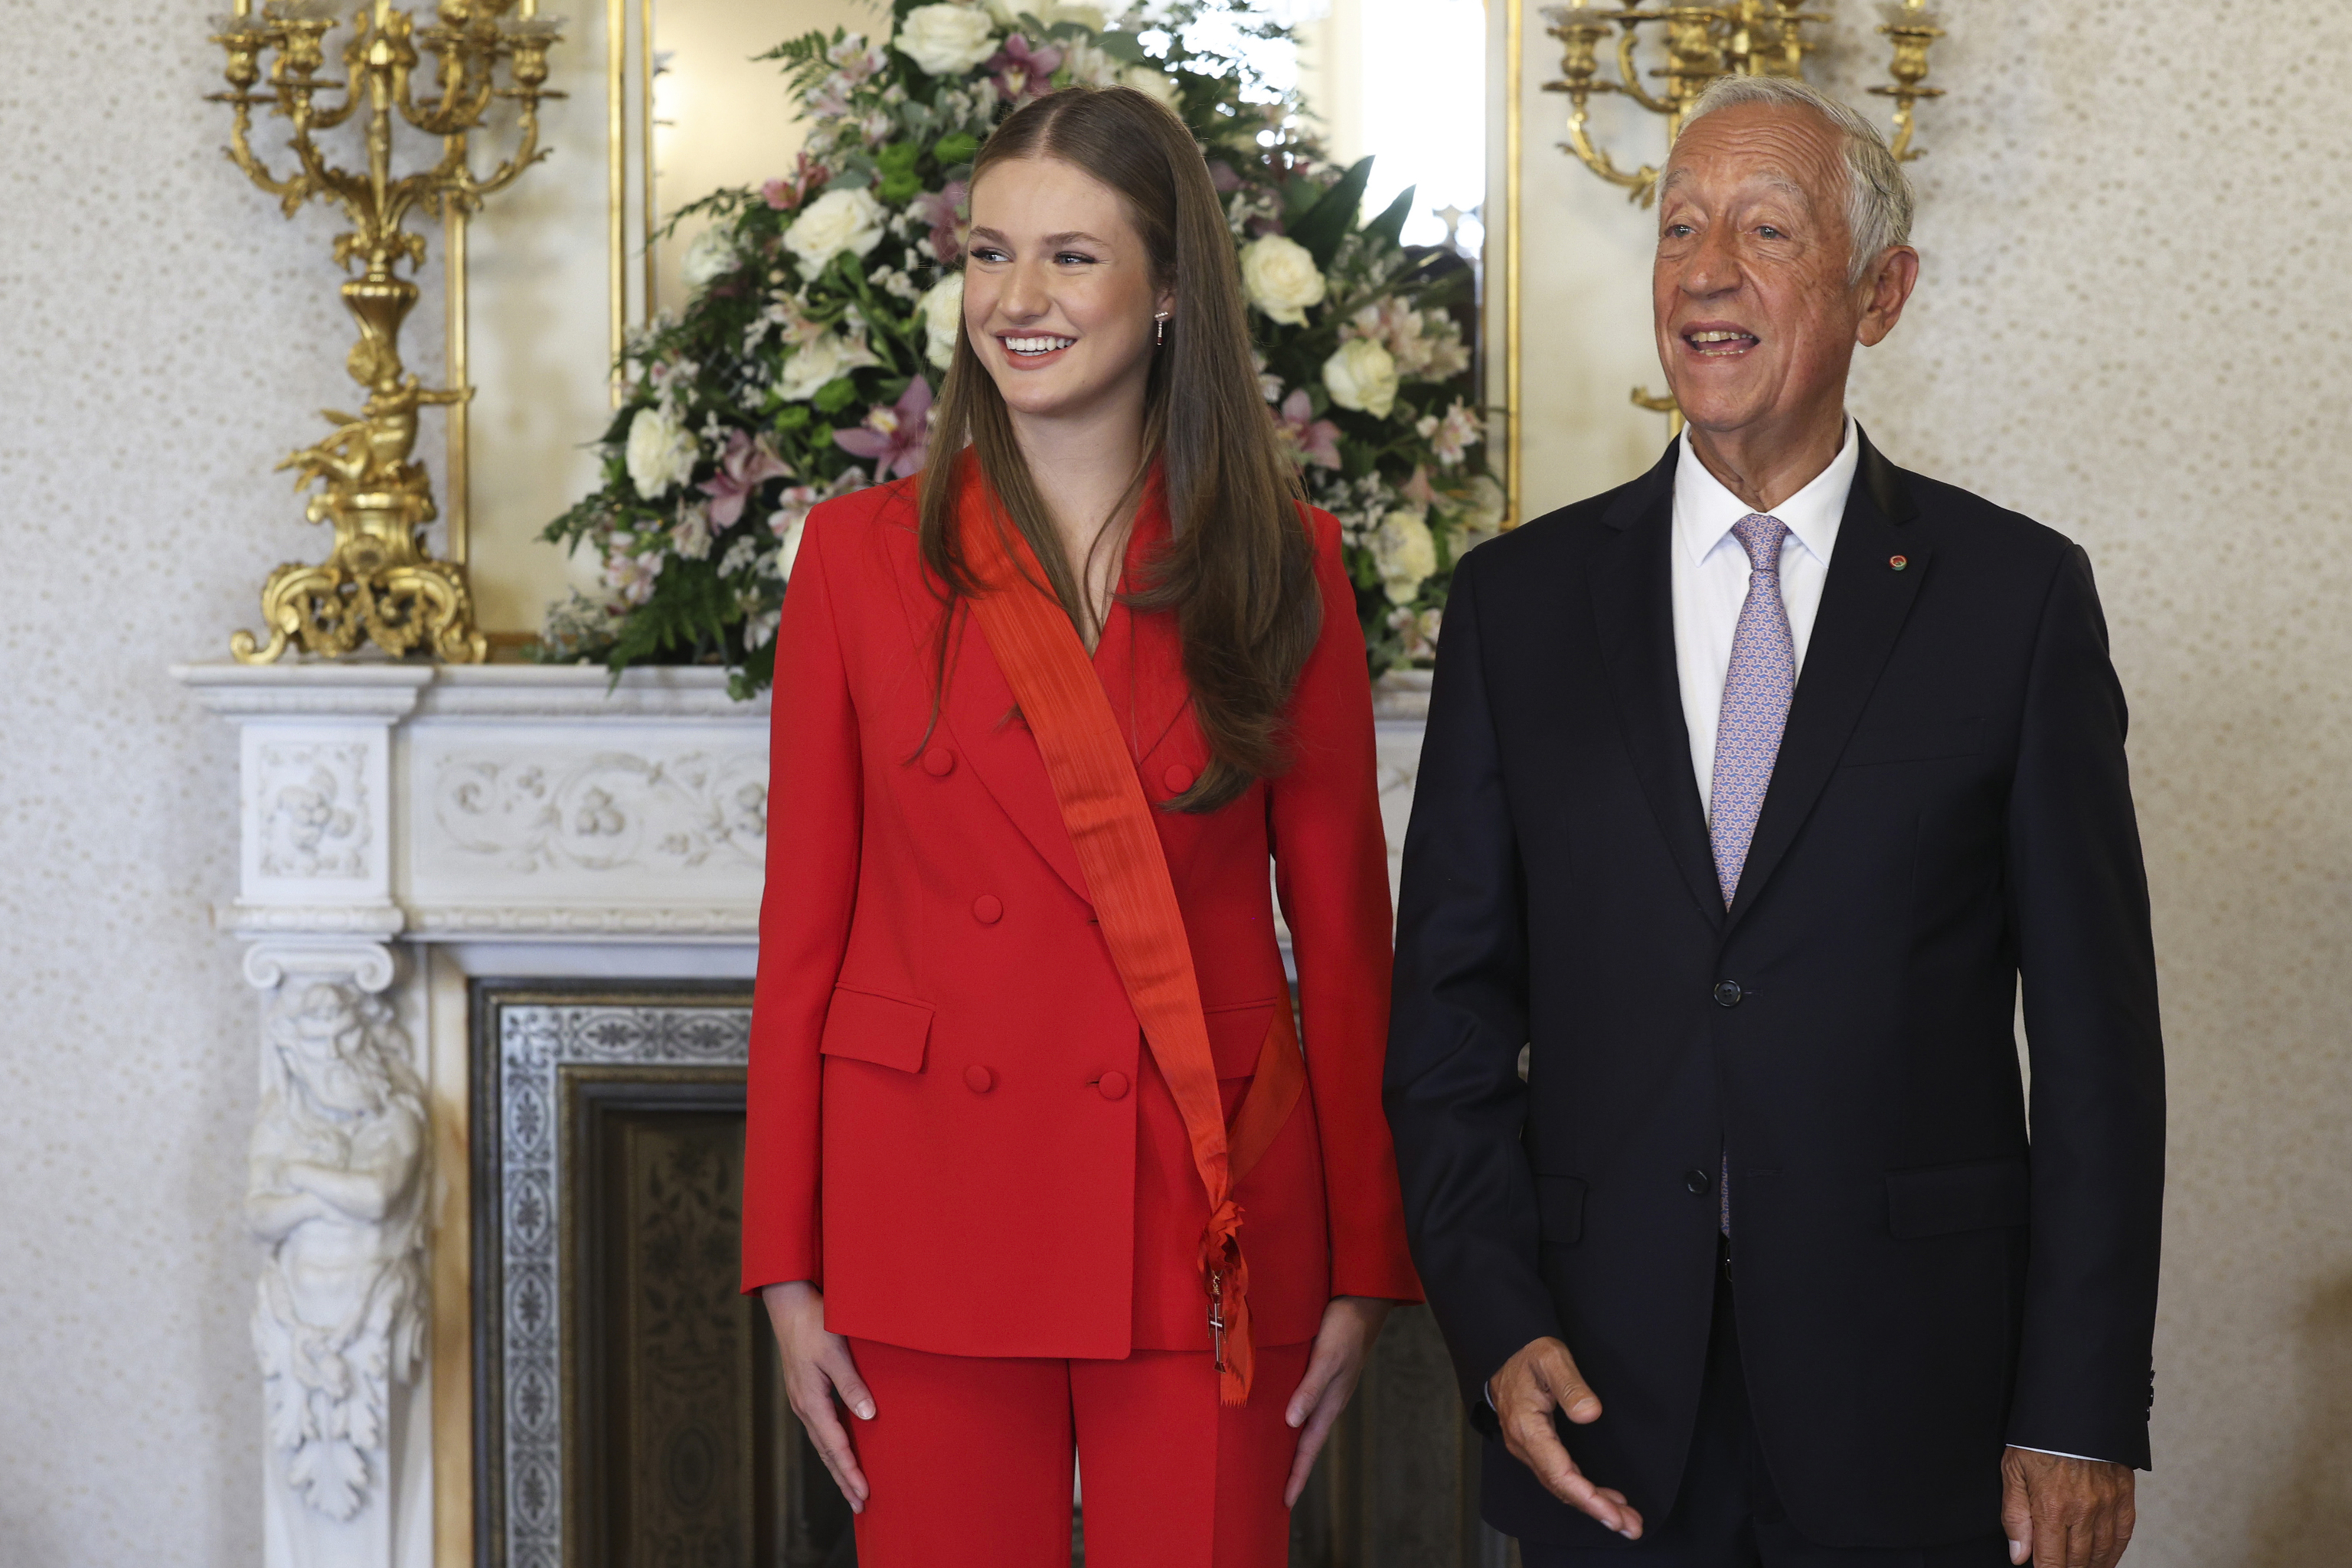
(1236,1035)
(883,1030)
(1938,1200)
(1913,743)
(1560,1210)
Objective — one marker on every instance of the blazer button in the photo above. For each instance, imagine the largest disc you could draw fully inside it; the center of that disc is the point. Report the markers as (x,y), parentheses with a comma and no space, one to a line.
(987,910)
(938,762)
(1177,780)
(1113,1085)
(978,1079)
(1728,994)
(1696,1181)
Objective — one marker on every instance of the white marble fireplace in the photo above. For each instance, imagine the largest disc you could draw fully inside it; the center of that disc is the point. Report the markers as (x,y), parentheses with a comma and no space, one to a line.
(407,830)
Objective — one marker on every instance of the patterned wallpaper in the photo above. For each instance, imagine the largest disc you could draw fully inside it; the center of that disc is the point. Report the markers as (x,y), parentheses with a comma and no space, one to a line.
(2129,328)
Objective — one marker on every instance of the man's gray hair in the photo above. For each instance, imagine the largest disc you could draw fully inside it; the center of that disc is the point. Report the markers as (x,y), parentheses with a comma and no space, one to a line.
(1878,199)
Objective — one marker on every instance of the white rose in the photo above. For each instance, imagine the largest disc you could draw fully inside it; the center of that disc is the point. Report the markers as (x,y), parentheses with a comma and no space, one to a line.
(1280,278)
(821,359)
(1482,514)
(710,257)
(942,315)
(1404,551)
(946,40)
(1006,13)
(1361,377)
(844,218)
(1150,81)
(1090,18)
(661,453)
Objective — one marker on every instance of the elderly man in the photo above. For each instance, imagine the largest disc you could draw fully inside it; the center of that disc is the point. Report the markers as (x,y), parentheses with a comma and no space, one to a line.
(1751,789)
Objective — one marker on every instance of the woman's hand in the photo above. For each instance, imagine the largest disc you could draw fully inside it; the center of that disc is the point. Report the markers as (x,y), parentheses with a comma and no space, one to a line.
(1350,1324)
(817,1366)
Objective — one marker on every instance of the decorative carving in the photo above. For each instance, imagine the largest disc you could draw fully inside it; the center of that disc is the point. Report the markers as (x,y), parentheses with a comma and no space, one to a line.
(336,1187)
(607,810)
(314,810)
(543,920)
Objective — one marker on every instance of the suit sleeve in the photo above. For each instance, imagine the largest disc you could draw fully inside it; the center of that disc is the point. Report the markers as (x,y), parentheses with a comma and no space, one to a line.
(814,818)
(1331,872)
(1455,1097)
(2080,906)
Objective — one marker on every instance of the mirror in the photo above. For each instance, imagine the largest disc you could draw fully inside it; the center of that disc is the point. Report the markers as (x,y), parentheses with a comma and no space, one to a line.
(1403,82)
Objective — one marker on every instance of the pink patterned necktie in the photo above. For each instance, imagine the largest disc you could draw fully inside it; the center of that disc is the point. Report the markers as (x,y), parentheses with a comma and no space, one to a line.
(1756,692)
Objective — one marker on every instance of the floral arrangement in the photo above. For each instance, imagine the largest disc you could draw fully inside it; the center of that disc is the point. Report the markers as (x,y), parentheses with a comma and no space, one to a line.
(826,304)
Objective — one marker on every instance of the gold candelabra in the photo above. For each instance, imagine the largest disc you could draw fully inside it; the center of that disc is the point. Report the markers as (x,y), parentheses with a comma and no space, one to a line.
(379,583)
(1742,37)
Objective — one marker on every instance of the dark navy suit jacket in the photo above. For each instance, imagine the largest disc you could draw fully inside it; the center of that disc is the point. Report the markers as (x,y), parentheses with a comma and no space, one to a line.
(1917,1282)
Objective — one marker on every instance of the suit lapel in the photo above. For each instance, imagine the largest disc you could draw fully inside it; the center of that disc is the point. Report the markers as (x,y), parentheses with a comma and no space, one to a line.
(979,714)
(1632,609)
(1865,602)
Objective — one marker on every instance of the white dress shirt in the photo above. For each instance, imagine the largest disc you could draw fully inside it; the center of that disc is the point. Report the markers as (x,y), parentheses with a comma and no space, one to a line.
(1711,577)
(1711,573)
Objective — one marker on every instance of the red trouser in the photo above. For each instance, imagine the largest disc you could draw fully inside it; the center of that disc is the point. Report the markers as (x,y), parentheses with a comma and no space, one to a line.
(969,1460)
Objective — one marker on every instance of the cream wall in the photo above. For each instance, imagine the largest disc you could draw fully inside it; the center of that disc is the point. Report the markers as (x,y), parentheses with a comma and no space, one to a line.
(2128,326)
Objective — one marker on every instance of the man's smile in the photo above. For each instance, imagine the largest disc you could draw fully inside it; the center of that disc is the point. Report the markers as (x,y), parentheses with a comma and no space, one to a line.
(1714,340)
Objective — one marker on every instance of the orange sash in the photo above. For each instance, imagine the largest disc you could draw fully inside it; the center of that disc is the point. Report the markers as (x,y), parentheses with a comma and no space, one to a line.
(1118,849)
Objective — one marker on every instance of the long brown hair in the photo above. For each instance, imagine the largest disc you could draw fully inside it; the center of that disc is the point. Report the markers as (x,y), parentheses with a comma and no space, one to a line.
(1239,571)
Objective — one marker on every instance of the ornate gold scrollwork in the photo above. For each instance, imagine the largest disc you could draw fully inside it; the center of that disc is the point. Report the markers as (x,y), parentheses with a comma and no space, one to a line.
(379,583)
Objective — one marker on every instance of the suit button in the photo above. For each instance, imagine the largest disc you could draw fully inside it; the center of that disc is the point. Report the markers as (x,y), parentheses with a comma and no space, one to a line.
(938,762)
(1695,1181)
(1728,994)
(987,910)
(1177,780)
(978,1079)
(1113,1085)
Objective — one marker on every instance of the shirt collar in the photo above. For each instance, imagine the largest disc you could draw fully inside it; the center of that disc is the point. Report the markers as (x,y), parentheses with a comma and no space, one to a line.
(1706,512)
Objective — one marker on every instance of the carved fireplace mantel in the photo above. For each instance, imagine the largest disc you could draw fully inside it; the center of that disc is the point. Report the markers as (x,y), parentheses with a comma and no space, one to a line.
(407,831)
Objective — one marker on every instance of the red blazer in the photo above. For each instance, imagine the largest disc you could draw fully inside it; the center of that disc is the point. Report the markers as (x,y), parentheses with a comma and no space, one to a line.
(955,1126)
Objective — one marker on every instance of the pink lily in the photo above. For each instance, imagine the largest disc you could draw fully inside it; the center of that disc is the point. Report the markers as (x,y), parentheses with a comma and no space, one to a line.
(1416,489)
(1311,440)
(943,210)
(783,195)
(1020,65)
(895,436)
(748,464)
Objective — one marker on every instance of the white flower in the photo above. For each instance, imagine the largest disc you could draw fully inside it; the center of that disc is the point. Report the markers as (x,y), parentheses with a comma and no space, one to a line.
(1090,18)
(739,555)
(946,40)
(1405,552)
(661,452)
(1087,64)
(942,314)
(821,359)
(710,257)
(632,576)
(1280,279)
(1005,11)
(759,630)
(1478,517)
(1151,82)
(844,218)
(1363,376)
(691,537)
(1452,436)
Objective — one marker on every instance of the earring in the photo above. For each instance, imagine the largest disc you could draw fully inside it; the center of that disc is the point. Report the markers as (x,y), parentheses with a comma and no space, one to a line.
(1159,329)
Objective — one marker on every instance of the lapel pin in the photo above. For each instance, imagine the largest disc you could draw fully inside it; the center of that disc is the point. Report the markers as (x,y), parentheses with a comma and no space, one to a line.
(1898,562)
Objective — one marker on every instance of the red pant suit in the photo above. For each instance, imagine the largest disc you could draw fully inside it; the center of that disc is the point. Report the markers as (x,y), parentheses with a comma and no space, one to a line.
(955,1126)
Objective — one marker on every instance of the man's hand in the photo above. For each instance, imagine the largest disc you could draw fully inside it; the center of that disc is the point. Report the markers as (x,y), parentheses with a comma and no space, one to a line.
(1533,1384)
(2064,1513)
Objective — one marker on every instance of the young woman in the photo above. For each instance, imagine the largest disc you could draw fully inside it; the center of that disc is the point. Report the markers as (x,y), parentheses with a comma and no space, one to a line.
(1034,1161)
